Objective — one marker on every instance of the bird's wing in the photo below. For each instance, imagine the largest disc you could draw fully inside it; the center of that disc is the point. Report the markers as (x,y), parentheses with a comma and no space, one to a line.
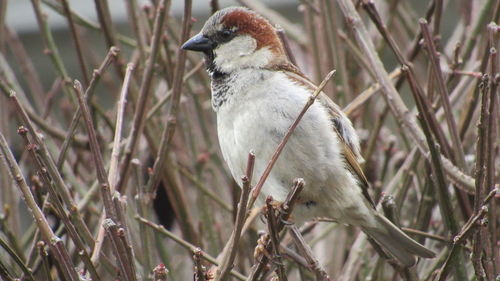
(340,124)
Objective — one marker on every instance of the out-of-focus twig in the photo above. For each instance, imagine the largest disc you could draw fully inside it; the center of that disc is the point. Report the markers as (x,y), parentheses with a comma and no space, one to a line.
(78,42)
(96,76)
(168,131)
(443,91)
(144,95)
(394,100)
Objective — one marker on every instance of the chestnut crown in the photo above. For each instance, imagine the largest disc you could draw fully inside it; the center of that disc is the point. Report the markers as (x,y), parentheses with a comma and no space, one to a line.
(237,38)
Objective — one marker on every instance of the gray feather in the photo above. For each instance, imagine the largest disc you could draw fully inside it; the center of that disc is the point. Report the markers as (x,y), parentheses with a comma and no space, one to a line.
(396,242)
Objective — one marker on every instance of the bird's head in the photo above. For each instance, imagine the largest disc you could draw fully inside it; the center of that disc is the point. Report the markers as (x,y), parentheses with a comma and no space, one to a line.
(237,38)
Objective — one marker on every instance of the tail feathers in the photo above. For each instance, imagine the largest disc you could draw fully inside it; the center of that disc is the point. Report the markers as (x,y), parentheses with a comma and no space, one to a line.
(396,242)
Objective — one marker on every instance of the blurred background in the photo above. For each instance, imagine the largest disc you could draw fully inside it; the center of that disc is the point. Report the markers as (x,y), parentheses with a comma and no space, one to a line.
(188,198)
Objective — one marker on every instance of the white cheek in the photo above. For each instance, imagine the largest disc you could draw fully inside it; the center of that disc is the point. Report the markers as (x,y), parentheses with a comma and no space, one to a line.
(240,53)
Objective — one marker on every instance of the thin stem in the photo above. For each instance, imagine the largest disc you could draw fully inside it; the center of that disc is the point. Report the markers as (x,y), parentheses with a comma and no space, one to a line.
(48,235)
(144,96)
(115,152)
(96,77)
(168,131)
(394,100)
(222,273)
(190,247)
(76,38)
(443,91)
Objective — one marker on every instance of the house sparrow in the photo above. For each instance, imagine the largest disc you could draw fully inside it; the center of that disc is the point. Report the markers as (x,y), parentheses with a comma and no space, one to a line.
(257,94)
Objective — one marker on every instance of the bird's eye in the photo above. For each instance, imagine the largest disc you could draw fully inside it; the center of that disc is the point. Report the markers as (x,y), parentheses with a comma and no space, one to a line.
(226,34)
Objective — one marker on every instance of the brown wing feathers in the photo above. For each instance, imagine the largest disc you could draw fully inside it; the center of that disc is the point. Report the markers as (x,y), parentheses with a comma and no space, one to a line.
(347,147)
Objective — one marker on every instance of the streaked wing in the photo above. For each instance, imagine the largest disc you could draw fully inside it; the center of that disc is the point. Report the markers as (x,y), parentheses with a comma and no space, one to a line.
(340,124)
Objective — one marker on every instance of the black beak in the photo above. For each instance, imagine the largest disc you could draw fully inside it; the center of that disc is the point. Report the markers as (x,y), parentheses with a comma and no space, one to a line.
(199,43)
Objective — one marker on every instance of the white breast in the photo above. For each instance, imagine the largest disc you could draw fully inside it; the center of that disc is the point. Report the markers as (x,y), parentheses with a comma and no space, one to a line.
(256,116)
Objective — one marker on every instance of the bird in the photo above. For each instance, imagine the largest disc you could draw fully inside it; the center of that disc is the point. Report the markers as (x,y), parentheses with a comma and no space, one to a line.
(257,93)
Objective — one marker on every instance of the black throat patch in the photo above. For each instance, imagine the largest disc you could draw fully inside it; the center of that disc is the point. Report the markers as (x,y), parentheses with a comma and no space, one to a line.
(221,88)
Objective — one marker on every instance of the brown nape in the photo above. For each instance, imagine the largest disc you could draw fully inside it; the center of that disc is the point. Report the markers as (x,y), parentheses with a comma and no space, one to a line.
(254,25)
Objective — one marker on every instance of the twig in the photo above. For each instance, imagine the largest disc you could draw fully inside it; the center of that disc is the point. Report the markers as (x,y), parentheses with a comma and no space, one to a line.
(205,190)
(484,161)
(214,6)
(15,257)
(306,251)
(96,77)
(444,201)
(272,226)
(286,44)
(144,94)
(54,242)
(470,226)
(115,152)
(360,99)
(284,214)
(443,91)
(50,168)
(493,255)
(164,99)
(96,154)
(137,27)
(53,52)
(425,234)
(70,227)
(222,272)
(112,215)
(121,254)
(26,66)
(294,32)
(168,131)
(190,247)
(281,145)
(56,7)
(76,38)
(392,97)
(45,260)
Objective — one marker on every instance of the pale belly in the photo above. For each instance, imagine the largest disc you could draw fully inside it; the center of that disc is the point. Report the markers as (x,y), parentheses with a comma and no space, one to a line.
(312,153)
